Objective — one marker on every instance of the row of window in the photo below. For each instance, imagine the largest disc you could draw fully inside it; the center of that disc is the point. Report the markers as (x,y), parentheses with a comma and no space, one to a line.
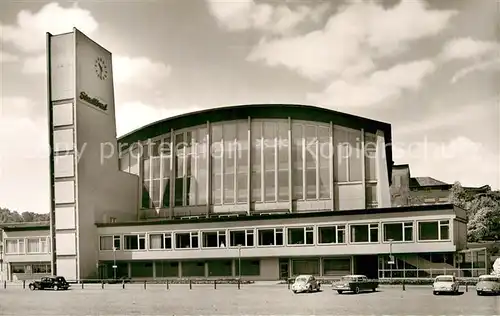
(30,245)
(317,157)
(42,268)
(308,235)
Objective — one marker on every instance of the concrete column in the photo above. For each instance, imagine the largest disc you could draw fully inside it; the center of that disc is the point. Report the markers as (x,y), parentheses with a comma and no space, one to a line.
(129,268)
(179,274)
(154,269)
(233,268)
(320,266)
(207,273)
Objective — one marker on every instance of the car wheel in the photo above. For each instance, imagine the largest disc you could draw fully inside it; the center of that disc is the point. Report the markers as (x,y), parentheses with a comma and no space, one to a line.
(56,288)
(435,293)
(32,287)
(479,293)
(340,292)
(294,292)
(356,290)
(309,290)
(374,289)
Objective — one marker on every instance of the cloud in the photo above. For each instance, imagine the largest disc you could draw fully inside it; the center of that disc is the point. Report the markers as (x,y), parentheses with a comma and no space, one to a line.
(240,15)
(465,48)
(476,164)
(126,70)
(7,57)
(139,71)
(28,33)
(133,115)
(352,39)
(376,87)
(488,65)
(35,65)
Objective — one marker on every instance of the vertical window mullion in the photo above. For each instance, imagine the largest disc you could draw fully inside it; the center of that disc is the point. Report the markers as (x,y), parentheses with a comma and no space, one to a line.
(317,162)
(276,164)
(303,149)
(262,164)
(222,171)
(235,152)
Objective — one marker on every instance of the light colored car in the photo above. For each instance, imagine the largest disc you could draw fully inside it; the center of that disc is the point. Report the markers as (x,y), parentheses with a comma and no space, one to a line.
(488,284)
(305,283)
(445,284)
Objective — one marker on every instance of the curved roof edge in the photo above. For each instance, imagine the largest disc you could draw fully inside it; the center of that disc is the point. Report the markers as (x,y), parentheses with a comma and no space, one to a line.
(257,111)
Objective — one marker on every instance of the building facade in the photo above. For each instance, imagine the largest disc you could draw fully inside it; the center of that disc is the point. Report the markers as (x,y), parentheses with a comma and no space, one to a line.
(407,190)
(263,191)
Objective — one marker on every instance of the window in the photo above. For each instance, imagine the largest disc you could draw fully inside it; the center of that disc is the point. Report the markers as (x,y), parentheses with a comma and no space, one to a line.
(436,230)
(301,236)
(371,196)
(40,268)
(37,245)
(14,246)
(331,234)
(108,242)
(298,149)
(186,240)
(270,237)
(364,233)
(216,156)
(348,156)
(241,237)
(160,241)
(135,242)
(214,239)
(256,152)
(370,157)
(398,231)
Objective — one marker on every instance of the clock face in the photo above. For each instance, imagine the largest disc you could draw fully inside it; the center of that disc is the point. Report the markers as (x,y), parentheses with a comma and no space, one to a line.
(101,69)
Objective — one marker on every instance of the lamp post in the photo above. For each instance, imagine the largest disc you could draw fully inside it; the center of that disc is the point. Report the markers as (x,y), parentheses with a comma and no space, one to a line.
(239,262)
(391,259)
(114,263)
(1,262)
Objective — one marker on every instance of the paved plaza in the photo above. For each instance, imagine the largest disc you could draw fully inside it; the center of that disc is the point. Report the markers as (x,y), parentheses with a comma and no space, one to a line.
(249,300)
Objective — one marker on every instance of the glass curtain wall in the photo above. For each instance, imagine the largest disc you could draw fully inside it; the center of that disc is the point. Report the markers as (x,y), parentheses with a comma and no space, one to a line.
(182,161)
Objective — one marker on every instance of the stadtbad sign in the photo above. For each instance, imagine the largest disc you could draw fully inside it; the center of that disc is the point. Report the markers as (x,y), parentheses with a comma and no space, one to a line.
(93,101)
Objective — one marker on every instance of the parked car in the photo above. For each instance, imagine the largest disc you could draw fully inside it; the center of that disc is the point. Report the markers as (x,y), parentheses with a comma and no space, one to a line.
(54,283)
(120,280)
(488,284)
(305,283)
(355,283)
(445,284)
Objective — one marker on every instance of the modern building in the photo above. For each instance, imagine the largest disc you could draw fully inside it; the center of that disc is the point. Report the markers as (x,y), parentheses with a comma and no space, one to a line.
(407,190)
(261,191)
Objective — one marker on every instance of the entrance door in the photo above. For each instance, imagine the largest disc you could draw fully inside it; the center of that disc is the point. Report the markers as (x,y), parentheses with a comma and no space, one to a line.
(284,269)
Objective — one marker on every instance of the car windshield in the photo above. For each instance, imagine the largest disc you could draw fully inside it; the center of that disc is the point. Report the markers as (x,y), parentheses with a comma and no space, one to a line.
(489,278)
(301,280)
(347,278)
(444,279)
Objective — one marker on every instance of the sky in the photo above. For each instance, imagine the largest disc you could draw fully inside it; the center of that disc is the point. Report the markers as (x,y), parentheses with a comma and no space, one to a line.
(429,68)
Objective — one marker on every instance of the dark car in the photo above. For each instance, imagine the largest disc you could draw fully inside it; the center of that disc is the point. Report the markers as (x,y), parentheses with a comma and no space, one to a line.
(355,283)
(120,280)
(54,283)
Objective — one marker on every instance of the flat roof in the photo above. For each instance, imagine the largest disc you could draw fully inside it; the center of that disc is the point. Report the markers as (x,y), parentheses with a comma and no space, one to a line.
(262,111)
(25,226)
(255,217)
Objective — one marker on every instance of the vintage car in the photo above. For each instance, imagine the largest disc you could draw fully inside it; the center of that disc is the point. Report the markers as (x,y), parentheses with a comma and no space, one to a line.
(445,284)
(354,283)
(54,283)
(488,284)
(305,283)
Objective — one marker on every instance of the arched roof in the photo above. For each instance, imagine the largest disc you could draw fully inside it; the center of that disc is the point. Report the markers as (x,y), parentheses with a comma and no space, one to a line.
(261,111)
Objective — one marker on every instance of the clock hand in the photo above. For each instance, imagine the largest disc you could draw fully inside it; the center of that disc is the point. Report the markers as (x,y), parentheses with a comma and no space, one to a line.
(100,67)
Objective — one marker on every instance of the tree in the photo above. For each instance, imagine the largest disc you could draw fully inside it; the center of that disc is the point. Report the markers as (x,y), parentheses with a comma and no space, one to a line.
(8,216)
(483,212)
